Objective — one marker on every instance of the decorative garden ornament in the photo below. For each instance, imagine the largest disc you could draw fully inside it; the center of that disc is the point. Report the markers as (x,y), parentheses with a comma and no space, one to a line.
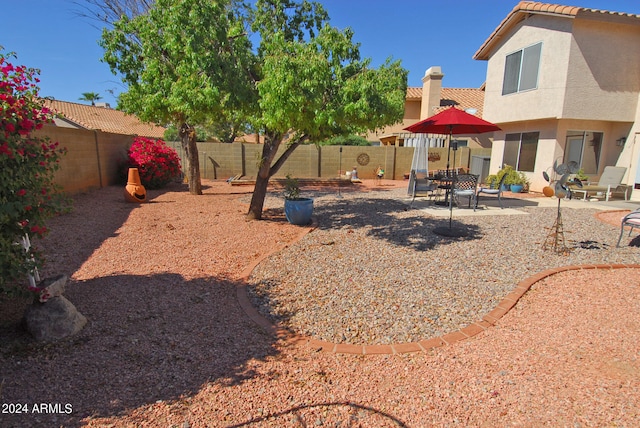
(134,191)
(555,239)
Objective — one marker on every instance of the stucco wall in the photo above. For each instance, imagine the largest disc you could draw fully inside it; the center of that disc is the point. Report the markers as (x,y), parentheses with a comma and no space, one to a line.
(552,143)
(546,101)
(589,70)
(603,82)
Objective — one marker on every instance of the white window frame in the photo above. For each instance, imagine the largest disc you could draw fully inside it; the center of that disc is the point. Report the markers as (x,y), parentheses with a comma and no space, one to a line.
(573,135)
(511,143)
(531,72)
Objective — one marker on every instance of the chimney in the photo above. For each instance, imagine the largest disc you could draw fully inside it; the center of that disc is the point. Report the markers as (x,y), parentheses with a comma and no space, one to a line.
(431,91)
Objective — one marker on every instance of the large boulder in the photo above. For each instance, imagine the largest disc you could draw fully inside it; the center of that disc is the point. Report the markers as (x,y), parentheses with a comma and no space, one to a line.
(53,317)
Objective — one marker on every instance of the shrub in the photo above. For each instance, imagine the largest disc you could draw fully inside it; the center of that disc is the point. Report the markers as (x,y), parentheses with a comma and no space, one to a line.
(349,140)
(512,177)
(157,163)
(28,195)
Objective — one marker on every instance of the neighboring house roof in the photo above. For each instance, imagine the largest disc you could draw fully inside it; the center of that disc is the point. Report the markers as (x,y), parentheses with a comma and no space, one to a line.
(525,8)
(414,93)
(463,98)
(102,118)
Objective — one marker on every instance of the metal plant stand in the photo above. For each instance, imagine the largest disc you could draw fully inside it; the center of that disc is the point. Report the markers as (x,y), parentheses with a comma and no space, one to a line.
(555,239)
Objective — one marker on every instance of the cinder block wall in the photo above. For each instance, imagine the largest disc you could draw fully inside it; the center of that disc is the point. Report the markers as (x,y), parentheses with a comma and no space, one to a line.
(93,158)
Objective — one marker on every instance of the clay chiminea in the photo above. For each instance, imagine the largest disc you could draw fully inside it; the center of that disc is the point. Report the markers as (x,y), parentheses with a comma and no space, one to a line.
(134,191)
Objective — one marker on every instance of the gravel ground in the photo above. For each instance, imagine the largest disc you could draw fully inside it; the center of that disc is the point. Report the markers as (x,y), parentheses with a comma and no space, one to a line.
(374,272)
(167,344)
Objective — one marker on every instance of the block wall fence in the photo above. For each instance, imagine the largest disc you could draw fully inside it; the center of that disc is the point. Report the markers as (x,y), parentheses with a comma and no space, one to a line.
(221,161)
(93,157)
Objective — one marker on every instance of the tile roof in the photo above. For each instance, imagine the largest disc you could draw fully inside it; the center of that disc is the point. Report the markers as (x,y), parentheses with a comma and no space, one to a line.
(103,119)
(463,98)
(414,93)
(524,8)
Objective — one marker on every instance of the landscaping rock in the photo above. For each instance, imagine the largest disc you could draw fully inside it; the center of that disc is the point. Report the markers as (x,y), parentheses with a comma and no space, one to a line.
(54,320)
(52,287)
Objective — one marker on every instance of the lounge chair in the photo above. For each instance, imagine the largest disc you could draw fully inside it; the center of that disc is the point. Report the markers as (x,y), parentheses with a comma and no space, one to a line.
(632,219)
(609,183)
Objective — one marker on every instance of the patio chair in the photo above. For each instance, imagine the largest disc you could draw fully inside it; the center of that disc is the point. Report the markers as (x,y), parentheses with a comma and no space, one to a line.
(609,183)
(465,185)
(632,219)
(421,186)
(490,191)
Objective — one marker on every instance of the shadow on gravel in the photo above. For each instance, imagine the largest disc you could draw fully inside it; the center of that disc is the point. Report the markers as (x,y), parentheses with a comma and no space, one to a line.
(351,414)
(414,231)
(162,338)
(90,229)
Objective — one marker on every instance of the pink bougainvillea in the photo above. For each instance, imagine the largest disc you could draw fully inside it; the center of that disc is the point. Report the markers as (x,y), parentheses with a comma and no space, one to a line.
(28,195)
(157,163)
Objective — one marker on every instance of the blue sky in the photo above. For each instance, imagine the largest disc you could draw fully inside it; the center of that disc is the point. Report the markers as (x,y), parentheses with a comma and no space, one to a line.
(48,34)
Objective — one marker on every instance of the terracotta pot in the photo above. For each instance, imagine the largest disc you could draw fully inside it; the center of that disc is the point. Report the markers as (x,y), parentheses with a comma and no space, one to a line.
(134,190)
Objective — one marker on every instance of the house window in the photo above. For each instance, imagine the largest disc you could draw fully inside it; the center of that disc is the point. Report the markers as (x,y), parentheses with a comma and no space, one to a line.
(521,70)
(520,150)
(461,143)
(584,147)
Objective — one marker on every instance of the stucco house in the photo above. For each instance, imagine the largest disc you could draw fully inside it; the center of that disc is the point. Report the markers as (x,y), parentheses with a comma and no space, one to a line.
(432,98)
(563,83)
(100,117)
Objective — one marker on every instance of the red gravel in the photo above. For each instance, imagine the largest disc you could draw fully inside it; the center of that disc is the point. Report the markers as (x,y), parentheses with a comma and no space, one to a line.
(167,344)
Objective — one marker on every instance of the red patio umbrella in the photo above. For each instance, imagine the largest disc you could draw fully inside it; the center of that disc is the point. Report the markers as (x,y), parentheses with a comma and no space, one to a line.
(452,121)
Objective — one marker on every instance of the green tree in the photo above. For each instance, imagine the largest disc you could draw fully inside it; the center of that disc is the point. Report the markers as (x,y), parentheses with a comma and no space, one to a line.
(349,140)
(91,97)
(313,85)
(191,62)
(184,63)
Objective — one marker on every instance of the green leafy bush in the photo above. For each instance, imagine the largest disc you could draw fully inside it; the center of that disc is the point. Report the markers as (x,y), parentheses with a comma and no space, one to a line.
(291,188)
(512,177)
(349,140)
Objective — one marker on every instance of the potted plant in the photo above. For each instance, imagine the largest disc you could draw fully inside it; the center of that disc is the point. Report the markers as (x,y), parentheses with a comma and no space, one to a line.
(297,210)
(517,180)
(509,171)
(492,181)
(580,175)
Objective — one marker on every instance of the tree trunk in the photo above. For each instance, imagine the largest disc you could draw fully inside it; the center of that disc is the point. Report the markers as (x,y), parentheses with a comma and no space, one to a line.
(269,150)
(265,172)
(188,140)
(257,199)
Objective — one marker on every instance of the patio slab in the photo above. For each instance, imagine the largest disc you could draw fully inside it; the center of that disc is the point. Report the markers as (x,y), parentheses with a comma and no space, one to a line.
(513,206)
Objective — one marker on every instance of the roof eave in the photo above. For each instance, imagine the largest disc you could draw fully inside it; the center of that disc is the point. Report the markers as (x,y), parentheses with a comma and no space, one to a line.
(519,13)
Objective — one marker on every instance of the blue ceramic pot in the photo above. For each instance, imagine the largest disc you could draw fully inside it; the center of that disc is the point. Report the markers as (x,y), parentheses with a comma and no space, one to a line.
(298,211)
(516,188)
